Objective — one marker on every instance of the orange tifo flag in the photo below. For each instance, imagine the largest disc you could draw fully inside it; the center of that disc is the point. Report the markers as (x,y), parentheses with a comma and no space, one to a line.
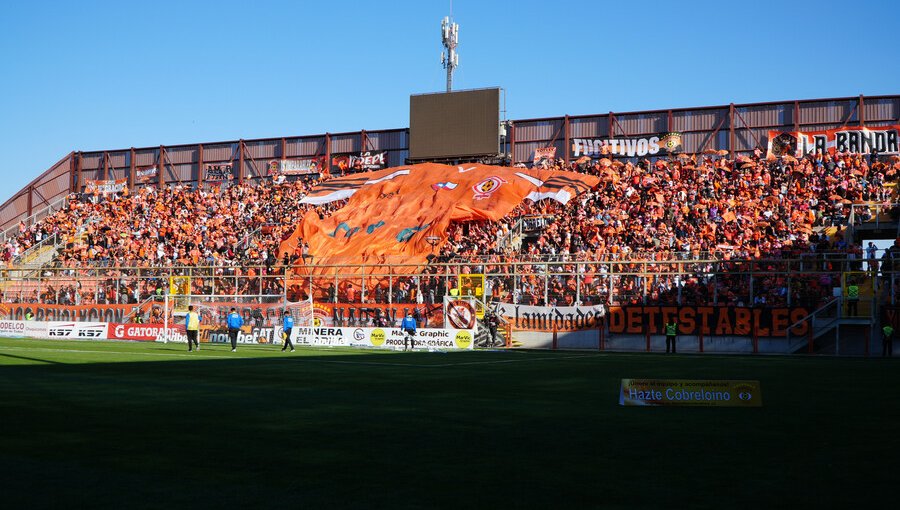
(391,213)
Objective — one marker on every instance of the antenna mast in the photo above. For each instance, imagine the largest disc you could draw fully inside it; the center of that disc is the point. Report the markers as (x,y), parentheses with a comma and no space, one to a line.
(450,39)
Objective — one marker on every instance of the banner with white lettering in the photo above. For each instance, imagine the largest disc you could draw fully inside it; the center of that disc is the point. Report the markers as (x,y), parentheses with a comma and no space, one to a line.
(625,146)
(384,338)
(683,392)
(217,172)
(145,174)
(550,318)
(853,140)
(302,166)
(362,162)
(544,156)
(105,187)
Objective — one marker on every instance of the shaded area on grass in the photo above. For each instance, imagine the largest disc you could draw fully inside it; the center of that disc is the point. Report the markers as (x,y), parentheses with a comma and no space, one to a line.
(386,430)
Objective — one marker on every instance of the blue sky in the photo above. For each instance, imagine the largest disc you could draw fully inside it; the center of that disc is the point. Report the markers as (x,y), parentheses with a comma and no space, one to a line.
(95,75)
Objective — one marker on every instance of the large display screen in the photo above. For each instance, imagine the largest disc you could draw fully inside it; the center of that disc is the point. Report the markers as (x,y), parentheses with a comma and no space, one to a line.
(454,124)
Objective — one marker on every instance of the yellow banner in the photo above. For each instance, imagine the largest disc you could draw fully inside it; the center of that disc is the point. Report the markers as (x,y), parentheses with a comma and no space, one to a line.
(684,392)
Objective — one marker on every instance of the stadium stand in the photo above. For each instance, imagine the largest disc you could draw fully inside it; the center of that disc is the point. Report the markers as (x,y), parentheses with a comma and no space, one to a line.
(702,207)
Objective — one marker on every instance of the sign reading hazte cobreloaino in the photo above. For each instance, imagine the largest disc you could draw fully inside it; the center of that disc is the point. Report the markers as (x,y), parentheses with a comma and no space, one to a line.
(682,392)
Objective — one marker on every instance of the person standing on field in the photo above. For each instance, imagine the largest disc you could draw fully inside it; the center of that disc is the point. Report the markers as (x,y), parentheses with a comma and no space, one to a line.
(671,333)
(234,325)
(408,325)
(288,326)
(887,340)
(192,326)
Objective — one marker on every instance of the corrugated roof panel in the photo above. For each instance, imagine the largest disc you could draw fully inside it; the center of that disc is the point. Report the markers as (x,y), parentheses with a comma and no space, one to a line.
(882,110)
(118,159)
(182,172)
(50,191)
(220,152)
(146,158)
(182,155)
(828,112)
(766,115)
(14,210)
(591,127)
(692,143)
(387,140)
(345,143)
(536,130)
(266,149)
(92,160)
(119,173)
(639,124)
(701,119)
(304,147)
(745,141)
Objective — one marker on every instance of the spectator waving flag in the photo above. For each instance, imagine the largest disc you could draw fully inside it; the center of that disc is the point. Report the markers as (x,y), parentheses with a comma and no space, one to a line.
(391,212)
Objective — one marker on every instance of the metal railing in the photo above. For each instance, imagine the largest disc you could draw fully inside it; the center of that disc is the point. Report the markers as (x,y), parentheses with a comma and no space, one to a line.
(872,213)
(789,282)
(13,231)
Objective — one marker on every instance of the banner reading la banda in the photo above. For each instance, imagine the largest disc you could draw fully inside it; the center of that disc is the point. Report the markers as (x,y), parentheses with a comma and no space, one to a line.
(855,140)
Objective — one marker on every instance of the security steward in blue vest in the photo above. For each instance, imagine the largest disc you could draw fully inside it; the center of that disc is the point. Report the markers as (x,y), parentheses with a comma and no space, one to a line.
(234,325)
(288,326)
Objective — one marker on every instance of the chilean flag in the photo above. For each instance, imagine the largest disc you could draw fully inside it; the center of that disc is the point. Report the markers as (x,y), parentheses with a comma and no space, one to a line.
(443,185)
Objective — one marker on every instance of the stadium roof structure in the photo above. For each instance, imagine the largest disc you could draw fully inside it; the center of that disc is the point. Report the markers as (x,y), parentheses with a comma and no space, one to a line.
(735,128)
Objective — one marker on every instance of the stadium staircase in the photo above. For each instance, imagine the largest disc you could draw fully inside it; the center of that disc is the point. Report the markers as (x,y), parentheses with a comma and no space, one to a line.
(483,332)
(831,331)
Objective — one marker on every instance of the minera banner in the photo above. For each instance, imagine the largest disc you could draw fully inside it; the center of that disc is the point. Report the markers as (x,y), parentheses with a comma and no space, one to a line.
(854,140)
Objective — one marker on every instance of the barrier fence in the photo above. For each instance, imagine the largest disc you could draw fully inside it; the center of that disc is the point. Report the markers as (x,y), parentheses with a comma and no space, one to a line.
(807,281)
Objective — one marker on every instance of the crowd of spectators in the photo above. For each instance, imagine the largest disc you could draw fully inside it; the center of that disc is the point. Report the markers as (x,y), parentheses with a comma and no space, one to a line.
(686,208)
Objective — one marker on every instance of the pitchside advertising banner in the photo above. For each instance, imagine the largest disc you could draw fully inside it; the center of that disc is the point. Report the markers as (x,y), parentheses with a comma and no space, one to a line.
(625,146)
(384,338)
(381,338)
(677,392)
(854,140)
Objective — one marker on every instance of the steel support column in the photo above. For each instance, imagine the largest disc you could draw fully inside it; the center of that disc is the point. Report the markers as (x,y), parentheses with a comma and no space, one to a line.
(199,166)
(131,169)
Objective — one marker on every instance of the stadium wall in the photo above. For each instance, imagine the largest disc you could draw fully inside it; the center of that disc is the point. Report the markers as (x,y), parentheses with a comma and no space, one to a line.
(736,128)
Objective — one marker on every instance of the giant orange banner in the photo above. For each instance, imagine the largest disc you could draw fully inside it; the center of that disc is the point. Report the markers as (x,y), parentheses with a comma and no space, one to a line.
(401,214)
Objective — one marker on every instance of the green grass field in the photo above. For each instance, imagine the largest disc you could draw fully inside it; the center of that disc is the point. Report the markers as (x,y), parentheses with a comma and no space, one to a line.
(129,425)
